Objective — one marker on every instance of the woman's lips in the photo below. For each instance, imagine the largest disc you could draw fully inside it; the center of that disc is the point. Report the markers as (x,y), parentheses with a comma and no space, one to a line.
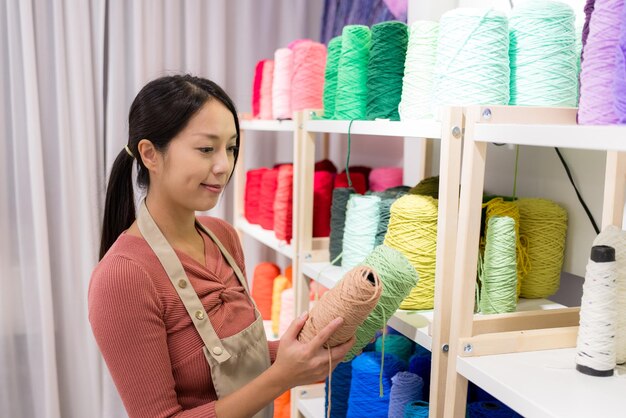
(215,188)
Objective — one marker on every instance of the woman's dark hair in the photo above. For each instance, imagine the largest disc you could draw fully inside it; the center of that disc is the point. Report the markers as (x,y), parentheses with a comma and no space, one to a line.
(160,111)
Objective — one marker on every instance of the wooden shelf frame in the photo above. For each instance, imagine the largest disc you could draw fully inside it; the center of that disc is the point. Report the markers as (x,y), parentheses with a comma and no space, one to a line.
(449,132)
(528,331)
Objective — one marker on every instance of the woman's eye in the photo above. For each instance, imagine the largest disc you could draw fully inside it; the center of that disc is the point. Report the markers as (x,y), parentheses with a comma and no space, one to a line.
(233,149)
(206,150)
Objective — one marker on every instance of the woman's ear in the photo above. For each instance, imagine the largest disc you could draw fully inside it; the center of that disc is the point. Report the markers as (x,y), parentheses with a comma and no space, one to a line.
(148,154)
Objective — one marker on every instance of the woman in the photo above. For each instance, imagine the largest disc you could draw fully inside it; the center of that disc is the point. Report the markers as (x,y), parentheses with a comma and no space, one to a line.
(168,302)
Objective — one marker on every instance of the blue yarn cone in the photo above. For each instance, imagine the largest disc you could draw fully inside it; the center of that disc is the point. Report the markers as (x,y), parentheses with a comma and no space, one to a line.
(341,378)
(406,387)
(418,409)
(365,399)
(420,365)
(490,409)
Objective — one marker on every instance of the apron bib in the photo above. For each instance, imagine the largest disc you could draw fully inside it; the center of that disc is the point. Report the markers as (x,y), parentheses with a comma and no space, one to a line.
(234,361)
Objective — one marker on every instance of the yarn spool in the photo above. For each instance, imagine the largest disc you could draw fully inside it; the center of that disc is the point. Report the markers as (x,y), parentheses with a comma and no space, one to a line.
(595,347)
(427,187)
(383,178)
(263,286)
(330,76)
(252,196)
(418,409)
(490,409)
(420,364)
(413,231)
(283,203)
(385,70)
(543,224)
(256,88)
(542,54)
(352,299)
(396,192)
(616,238)
(363,170)
(358,182)
(307,83)
(323,182)
(282,405)
(366,372)
(499,207)
(338,222)
(267,83)
(589,6)
(341,379)
(398,277)
(597,102)
(619,78)
(362,215)
(383,222)
(326,165)
(281,283)
(406,387)
(351,97)
(472,58)
(498,275)
(289,273)
(287,310)
(269,186)
(398,345)
(281,88)
(419,71)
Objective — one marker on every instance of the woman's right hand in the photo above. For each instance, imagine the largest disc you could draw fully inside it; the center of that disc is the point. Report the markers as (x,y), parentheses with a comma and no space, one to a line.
(305,363)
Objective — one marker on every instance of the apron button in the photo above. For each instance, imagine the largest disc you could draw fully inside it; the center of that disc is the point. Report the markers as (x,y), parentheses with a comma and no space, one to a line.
(182,283)
(217,351)
(200,315)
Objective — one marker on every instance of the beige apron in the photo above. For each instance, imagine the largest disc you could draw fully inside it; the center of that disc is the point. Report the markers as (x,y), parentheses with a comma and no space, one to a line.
(235,360)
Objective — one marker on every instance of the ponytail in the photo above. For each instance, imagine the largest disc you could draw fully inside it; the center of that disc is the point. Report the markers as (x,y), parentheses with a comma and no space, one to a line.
(119,207)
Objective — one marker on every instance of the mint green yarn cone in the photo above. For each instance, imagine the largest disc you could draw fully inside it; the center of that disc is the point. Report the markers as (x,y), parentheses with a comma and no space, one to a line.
(398,277)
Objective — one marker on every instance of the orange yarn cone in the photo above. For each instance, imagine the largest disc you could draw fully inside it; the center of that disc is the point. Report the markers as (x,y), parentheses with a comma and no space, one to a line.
(282,405)
(263,287)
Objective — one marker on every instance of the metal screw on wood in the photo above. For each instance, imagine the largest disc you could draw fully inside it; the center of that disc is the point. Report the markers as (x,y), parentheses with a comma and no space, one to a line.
(456,132)
(445,348)
(467,348)
(312,113)
(487,114)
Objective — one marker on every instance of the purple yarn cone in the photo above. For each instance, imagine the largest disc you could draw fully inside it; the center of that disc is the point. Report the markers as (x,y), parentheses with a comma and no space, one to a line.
(597,104)
(619,83)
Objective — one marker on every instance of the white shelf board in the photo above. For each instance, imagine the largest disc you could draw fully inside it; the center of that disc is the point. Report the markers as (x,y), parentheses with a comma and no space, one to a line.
(603,138)
(267,125)
(264,236)
(311,407)
(416,129)
(545,384)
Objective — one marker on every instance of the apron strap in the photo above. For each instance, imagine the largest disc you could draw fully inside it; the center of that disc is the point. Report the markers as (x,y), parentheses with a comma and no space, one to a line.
(175,271)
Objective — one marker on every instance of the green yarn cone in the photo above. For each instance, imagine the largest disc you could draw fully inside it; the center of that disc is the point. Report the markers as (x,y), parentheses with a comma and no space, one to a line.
(351,97)
(385,70)
(330,76)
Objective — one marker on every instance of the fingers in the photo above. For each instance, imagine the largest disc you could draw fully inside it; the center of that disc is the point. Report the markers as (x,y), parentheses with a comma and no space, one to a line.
(296,326)
(323,336)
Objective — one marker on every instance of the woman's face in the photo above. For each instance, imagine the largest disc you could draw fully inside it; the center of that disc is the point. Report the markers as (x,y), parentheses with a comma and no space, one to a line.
(200,159)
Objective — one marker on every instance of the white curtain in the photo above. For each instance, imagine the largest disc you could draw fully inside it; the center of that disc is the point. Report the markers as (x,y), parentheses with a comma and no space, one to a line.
(70,71)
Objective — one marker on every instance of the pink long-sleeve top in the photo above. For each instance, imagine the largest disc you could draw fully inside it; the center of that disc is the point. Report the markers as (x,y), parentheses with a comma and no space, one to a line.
(146,337)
